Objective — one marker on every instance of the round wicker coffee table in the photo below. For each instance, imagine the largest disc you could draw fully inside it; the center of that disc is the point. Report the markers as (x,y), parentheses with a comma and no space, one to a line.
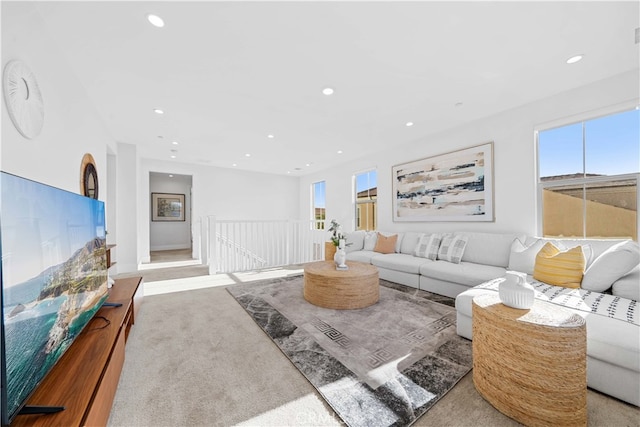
(531,365)
(357,287)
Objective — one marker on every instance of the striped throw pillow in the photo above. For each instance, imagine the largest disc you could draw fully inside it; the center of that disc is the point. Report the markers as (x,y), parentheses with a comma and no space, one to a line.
(428,246)
(559,268)
(452,248)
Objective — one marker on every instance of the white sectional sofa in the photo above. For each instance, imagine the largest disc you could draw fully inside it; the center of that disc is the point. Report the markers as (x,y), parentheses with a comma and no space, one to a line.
(608,298)
(485,257)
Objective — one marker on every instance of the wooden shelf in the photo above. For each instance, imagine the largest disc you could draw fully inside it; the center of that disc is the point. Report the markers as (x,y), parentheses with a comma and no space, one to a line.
(85,378)
(109,263)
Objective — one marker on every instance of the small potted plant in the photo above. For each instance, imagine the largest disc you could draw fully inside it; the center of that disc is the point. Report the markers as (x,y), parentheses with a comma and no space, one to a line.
(336,233)
(337,238)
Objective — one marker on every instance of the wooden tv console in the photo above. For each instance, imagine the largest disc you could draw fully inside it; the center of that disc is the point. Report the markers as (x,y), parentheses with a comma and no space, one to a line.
(85,379)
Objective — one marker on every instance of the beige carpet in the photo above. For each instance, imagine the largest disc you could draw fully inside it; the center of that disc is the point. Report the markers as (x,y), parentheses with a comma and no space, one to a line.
(195,358)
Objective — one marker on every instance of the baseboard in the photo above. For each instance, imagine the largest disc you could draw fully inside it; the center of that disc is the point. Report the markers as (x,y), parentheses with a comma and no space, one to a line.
(169,247)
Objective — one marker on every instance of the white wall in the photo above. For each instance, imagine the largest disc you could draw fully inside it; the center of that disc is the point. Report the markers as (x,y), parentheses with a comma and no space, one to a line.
(224,193)
(71,125)
(166,235)
(128,194)
(512,133)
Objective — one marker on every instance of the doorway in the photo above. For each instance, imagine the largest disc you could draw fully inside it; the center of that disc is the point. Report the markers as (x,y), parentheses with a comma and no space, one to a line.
(170,226)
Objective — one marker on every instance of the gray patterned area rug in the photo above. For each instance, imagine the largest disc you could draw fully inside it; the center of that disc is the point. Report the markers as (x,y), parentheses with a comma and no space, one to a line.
(384,365)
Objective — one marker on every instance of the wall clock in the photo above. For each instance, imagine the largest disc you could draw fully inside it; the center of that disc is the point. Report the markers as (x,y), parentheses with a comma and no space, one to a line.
(23,98)
(89,177)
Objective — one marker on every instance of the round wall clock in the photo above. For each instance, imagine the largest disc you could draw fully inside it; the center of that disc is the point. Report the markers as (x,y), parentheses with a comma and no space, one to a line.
(23,98)
(89,177)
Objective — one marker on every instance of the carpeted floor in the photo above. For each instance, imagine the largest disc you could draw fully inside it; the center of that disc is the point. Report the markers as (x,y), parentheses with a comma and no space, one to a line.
(383,365)
(195,358)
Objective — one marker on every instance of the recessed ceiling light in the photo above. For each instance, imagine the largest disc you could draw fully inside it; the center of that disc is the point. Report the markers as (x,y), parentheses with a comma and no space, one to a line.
(327,91)
(170,176)
(234,165)
(574,59)
(174,142)
(270,136)
(247,155)
(173,156)
(155,20)
(158,111)
(339,151)
(308,164)
(409,124)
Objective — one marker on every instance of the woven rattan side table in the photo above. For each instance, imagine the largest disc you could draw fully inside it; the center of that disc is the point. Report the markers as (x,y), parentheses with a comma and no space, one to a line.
(531,365)
(357,287)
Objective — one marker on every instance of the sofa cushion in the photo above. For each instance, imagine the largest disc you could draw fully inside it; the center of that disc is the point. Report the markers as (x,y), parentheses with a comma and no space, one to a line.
(466,273)
(370,239)
(523,258)
(488,248)
(386,244)
(428,246)
(452,248)
(362,256)
(399,262)
(596,246)
(355,241)
(614,263)
(559,268)
(409,242)
(628,286)
(399,241)
(398,238)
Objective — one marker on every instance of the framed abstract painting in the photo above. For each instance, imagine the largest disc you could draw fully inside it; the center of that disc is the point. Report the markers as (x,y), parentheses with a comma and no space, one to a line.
(455,186)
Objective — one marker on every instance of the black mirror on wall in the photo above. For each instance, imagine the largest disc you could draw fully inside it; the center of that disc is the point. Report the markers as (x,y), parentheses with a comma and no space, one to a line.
(89,177)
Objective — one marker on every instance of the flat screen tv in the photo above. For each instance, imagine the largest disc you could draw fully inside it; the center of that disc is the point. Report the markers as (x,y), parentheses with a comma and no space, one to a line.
(54,279)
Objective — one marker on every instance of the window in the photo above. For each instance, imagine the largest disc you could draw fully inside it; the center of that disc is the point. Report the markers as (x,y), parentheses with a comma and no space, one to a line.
(366,200)
(318,207)
(589,175)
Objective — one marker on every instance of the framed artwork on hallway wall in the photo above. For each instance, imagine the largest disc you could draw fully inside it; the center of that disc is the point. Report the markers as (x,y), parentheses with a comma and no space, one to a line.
(167,207)
(455,186)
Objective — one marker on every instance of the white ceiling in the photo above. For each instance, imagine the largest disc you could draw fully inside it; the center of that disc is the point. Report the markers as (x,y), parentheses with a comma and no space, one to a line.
(227,74)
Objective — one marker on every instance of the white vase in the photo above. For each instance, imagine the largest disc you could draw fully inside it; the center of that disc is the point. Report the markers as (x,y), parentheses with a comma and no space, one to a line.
(514,291)
(340,258)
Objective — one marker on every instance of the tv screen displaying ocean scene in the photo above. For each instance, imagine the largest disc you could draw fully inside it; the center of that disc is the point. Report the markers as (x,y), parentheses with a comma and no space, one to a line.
(54,279)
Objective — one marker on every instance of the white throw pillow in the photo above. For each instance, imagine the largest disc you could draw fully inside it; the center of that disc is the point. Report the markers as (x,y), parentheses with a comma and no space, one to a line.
(428,246)
(354,241)
(523,258)
(409,242)
(614,263)
(628,286)
(370,239)
(452,248)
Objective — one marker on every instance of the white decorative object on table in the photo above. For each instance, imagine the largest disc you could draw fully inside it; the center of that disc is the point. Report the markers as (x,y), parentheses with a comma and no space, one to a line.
(340,257)
(514,291)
